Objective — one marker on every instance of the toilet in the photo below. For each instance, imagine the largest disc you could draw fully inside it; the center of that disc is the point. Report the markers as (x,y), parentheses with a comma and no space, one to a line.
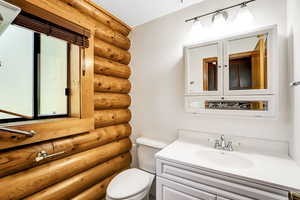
(135,183)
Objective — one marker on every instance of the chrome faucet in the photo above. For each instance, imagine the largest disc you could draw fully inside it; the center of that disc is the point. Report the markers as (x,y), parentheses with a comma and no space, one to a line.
(221,144)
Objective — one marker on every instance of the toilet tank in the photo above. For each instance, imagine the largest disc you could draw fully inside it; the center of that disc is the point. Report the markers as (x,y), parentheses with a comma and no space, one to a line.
(146,150)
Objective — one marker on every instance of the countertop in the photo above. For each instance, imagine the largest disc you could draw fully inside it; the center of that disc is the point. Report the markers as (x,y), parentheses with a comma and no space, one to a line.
(279,171)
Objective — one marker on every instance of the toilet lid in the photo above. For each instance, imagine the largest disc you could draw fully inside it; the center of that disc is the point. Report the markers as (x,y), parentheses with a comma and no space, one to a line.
(128,183)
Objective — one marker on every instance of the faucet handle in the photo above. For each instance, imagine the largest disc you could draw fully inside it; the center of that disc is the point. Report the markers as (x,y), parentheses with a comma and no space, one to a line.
(222,137)
(229,146)
(217,143)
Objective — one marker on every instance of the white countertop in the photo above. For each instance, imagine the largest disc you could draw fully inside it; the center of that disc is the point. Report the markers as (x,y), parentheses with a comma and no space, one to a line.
(280,171)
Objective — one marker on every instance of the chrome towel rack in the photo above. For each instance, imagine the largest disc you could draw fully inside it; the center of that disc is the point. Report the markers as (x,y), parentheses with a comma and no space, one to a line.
(20,132)
(44,155)
(296,83)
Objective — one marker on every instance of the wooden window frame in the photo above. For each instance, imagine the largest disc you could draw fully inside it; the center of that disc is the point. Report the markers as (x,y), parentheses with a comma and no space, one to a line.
(66,33)
(81,118)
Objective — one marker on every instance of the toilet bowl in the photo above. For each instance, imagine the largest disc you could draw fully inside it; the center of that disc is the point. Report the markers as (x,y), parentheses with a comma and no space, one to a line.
(135,183)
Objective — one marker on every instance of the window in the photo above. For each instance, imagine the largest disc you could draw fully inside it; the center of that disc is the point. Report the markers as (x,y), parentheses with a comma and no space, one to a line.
(33,75)
(53,74)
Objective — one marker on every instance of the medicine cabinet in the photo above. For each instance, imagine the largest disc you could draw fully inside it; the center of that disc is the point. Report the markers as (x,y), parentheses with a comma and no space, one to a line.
(233,75)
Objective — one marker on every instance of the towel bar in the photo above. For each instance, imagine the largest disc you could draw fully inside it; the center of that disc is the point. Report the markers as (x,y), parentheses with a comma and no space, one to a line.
(44,155)
(20,132)
(296,83)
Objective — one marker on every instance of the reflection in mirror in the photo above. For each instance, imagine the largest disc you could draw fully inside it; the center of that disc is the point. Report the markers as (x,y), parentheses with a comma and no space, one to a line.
(248,63)
(210,74)
(203,62)
(1,19)
(237,105)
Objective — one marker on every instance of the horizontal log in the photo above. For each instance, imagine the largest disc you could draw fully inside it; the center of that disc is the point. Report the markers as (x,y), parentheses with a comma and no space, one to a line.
(16,160)
(106,50)
(77,184)
(111,84)
(111,100)
(77,19)
(110,68)
(111,117)
(25,183)
(106,34)
(96,192)
(45,130)
(99,15)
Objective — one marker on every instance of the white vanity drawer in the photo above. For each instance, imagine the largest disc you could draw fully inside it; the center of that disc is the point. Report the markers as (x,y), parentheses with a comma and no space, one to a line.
(224,186)
(221,198)
(170,190)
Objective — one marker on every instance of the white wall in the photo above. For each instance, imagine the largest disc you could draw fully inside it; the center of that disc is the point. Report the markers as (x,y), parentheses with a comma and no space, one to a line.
(158,76)
(294,62)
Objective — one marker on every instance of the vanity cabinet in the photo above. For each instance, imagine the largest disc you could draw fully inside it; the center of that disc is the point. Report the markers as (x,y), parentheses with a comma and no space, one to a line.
(176,181)
(221,198)
(238,66)
(175,191)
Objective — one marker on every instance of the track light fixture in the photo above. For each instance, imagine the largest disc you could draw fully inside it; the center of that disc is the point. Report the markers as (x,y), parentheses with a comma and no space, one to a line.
(221,11)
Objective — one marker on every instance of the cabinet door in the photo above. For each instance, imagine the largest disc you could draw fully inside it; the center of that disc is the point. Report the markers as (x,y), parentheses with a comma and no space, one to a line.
(250,63)
(204,66)
(169,190)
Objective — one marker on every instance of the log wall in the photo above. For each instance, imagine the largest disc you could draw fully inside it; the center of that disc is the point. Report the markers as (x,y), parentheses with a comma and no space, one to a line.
(86,162)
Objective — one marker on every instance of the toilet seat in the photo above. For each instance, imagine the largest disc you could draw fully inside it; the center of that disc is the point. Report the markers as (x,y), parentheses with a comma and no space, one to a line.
(131,184)
(135,197)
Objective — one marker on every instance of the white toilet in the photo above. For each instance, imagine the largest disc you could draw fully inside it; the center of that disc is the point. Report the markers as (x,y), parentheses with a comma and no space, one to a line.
(135,183)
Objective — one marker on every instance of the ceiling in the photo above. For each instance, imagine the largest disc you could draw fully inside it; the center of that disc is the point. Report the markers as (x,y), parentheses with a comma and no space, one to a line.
(137,12)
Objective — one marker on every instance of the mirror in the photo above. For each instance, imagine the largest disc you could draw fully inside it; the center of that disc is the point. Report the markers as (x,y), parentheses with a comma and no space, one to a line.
(203,62)
(248,60)
(233,75)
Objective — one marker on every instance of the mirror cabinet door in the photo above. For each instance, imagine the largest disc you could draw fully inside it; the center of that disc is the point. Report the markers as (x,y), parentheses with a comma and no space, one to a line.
(246,65)
(204,69)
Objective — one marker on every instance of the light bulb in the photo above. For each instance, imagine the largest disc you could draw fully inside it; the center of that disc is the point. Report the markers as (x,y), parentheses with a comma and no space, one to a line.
(219,20)
(196,32)
(197,27)
(244,16)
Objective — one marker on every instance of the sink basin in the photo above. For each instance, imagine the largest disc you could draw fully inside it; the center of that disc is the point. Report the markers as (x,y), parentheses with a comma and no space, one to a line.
(225,159)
